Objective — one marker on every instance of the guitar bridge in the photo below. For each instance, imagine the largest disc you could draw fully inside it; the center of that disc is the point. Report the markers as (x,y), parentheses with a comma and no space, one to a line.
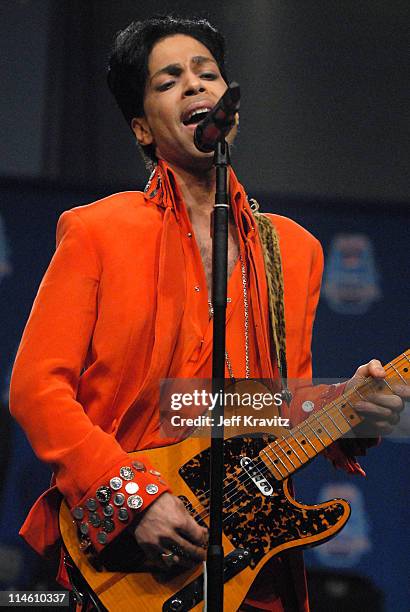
(193,593)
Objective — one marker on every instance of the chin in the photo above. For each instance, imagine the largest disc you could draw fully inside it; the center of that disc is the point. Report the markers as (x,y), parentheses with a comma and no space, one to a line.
(204,161)
(194,160)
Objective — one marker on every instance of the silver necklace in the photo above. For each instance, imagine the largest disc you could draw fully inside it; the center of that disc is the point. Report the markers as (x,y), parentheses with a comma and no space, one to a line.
(246,323)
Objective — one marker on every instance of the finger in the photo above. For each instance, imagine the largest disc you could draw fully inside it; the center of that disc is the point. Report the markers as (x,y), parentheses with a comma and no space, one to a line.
(154,546)
(165,560)
(376,369)
(383,428)
(369,409)
(373,414)
(177,562)
(395,418)
(402,391)
(375,428)
(191,530)
(184,561)
(393,402)
(195,553)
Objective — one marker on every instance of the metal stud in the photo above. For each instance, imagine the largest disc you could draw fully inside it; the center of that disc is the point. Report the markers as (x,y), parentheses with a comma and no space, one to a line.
(116,483)
(123,514)
(103,494)
(91,504)
(119,499)
(108,510)
(84,528)
(126,473)
(102,537)
(108,525)
(135,502)
(131,487)
(94,519)
(78,513)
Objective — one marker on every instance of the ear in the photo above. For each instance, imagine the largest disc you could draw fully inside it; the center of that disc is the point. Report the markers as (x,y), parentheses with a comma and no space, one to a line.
(142,131)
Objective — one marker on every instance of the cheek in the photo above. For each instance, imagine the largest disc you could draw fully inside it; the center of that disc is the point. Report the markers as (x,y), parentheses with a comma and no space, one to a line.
(163,121)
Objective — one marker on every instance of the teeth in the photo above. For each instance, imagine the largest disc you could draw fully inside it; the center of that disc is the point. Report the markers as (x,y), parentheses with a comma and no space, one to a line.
(197,111)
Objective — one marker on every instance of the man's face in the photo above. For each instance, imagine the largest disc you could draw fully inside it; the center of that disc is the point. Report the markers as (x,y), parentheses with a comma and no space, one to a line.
(183,77)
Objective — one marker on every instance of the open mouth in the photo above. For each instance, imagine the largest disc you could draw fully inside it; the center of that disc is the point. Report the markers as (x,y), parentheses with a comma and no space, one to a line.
(196,116)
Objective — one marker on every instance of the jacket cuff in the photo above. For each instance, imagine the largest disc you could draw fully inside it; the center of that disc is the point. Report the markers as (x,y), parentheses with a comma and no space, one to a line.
(114,501)
(343,453)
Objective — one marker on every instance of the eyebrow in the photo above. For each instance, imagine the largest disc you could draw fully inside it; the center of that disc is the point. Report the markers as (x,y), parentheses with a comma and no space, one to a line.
(176,69)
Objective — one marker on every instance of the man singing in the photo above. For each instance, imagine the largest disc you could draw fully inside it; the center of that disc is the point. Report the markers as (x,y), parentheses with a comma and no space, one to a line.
(126,302)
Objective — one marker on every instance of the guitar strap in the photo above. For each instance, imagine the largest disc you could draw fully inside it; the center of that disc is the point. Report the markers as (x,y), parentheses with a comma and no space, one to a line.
(274,279)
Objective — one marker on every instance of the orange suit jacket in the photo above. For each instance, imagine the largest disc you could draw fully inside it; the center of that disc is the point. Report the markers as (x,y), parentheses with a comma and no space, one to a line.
(103,327)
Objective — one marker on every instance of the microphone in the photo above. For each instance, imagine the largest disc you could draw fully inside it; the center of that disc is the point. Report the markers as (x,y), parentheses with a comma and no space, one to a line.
(219,121)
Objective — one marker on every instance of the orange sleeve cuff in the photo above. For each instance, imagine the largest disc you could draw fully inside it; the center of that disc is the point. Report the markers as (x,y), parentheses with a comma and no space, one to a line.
(112,503)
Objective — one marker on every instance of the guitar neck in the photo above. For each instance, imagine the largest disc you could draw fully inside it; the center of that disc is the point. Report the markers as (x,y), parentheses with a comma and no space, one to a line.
(302,443)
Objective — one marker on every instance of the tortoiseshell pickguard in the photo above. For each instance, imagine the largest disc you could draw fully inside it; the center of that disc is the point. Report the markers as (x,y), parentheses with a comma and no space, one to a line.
(253,520)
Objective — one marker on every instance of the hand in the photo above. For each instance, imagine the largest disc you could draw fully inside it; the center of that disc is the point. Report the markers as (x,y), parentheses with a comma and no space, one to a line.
(381,410)
(169,535)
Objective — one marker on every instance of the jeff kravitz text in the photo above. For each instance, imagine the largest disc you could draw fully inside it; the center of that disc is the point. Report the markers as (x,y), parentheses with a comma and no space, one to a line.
(233,421)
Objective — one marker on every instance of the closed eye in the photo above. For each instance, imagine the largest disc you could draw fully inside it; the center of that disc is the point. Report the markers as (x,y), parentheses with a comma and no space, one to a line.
(210,76)
(165,86)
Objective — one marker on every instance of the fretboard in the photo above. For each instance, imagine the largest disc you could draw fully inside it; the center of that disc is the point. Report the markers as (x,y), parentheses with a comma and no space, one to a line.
(302,443)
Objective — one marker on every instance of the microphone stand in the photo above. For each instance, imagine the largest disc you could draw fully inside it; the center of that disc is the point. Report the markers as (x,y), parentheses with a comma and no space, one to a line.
(215,556)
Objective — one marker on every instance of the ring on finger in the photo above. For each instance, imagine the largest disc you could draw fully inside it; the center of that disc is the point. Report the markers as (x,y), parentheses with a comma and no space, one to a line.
(169,558)
(179,551)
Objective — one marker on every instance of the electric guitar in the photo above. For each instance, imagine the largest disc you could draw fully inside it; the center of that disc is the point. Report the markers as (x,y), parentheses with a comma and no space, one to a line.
(260,516)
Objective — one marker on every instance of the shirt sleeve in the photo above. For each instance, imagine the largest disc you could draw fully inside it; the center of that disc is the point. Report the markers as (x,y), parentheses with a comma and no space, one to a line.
(308,398)
(89,464)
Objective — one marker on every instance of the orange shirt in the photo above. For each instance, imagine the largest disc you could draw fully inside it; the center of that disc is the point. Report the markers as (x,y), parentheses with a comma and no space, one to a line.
(193,352)
(192,359)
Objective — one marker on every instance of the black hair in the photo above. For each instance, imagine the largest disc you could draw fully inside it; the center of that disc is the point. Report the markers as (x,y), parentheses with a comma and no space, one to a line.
(128,63)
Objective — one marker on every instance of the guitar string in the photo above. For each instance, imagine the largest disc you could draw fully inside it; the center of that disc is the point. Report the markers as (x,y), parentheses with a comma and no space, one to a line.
(265,469)
(300,428)
(259,463)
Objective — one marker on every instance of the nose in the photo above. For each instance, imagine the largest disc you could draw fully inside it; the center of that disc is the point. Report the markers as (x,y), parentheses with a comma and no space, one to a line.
(193,85)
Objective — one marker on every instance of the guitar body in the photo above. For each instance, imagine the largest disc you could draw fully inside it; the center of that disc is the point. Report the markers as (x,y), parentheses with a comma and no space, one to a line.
(260,516)
(261,519)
